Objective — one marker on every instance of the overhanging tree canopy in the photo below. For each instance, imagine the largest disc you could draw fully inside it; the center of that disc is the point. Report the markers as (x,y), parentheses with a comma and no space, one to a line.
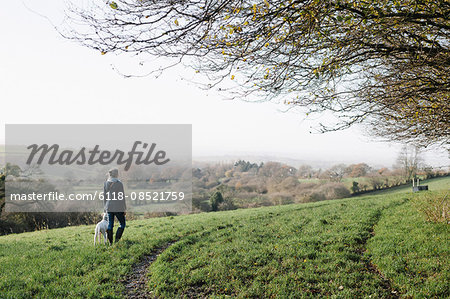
(383,63)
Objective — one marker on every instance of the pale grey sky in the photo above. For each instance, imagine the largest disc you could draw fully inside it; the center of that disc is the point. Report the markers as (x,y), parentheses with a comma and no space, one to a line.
(47,79)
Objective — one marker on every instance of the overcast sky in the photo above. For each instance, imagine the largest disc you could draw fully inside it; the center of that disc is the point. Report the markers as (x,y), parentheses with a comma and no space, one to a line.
(47,79)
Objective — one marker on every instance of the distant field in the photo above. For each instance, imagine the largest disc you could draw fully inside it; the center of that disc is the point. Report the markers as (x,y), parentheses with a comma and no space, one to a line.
(368,246)
(442,183)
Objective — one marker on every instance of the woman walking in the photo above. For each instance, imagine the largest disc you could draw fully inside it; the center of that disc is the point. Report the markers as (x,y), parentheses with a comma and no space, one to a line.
(114,204)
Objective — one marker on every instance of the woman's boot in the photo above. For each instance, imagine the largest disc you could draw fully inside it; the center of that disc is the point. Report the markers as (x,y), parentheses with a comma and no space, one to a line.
(119,234)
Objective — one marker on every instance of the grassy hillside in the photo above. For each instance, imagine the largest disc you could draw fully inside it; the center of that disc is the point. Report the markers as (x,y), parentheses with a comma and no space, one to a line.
(378,246)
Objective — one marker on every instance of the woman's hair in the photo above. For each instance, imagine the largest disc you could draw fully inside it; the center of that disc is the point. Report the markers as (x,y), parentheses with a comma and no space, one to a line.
(114,173)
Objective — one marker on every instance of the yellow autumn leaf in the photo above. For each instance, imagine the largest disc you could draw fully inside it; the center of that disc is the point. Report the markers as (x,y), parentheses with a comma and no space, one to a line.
(232,77)
(113,5)
(267,3)
(176,22)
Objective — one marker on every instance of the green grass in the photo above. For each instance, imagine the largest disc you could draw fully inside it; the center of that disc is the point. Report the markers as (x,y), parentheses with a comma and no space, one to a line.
(303,250)
(310,249)
(411,252)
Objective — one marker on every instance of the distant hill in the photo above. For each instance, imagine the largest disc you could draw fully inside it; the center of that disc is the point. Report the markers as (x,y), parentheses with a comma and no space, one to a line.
(265,158)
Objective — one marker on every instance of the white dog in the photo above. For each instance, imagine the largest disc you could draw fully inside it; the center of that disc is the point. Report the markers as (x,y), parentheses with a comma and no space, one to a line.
(101,228)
